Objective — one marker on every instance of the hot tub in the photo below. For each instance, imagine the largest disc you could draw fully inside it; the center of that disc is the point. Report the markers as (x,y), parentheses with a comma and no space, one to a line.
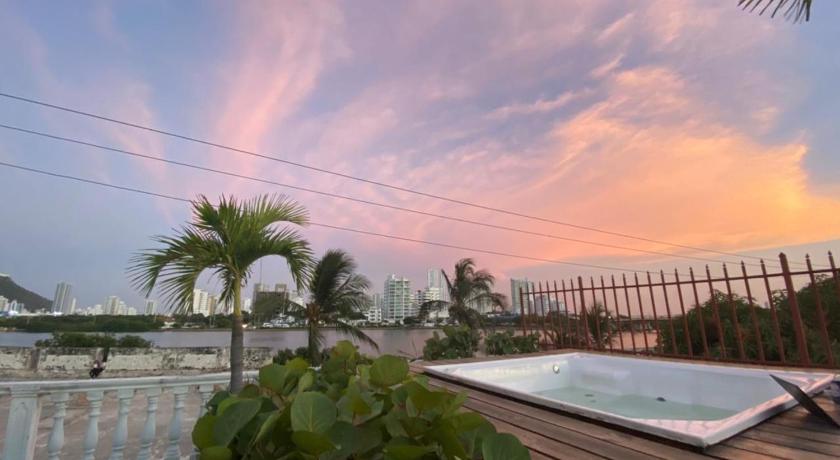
(697,404)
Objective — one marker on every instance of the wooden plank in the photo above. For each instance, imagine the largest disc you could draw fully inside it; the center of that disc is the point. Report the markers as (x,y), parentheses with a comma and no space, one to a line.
(817,436)
(542,445)
(572,438)
(793,442)
(597,432)
(733,453)
(539,456)
(774,450)
(801,421)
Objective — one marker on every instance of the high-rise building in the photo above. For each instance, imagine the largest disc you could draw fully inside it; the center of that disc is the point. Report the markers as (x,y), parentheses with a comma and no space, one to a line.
(397,299)
(435,279)
(16,306)
(112,305)
(258,288)
(72,308)
(515,286)
(4,303)
(63,298)
(373,315)
(200,302)
(151,307)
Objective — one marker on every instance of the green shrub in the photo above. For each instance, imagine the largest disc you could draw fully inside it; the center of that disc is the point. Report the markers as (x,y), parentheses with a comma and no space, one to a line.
(287,354)
(133,341)
(459,342)
(346,409)
(506,343)
(81,340)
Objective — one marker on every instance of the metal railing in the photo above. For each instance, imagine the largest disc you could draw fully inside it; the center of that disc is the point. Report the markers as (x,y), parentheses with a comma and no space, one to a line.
(735,318)
(28,397)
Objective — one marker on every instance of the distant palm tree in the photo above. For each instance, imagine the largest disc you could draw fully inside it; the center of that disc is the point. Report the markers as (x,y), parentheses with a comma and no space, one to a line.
(796,10)
(227,239)
(467,288)
(336,294)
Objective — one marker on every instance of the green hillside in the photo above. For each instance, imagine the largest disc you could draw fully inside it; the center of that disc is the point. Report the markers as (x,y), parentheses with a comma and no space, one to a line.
(10,290)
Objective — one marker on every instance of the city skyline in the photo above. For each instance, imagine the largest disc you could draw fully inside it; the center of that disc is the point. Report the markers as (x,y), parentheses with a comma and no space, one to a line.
(607,116)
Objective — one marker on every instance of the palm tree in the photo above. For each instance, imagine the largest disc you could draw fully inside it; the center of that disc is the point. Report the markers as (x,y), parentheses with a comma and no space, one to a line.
(336,293)
(467,287)
(796,10)
(227,239)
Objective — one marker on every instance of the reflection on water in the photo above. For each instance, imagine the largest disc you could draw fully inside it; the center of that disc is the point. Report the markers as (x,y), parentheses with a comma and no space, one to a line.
(407,342)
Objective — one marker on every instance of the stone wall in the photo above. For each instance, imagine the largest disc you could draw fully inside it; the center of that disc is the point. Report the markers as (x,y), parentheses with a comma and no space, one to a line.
(75,362)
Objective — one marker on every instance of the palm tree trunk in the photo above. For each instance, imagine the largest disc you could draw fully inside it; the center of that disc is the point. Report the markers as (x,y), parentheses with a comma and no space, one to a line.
(313,341)
(237,339)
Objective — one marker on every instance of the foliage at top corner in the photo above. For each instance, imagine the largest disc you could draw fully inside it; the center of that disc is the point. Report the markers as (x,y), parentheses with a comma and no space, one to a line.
(349,408)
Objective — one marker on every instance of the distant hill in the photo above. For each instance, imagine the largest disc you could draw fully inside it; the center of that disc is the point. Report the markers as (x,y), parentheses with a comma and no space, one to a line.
(32,301)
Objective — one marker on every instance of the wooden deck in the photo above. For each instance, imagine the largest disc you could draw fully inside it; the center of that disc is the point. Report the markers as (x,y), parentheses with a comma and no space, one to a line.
(550,434)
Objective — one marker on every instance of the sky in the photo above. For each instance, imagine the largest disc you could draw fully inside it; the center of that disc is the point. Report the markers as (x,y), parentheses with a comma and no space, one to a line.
(690,122)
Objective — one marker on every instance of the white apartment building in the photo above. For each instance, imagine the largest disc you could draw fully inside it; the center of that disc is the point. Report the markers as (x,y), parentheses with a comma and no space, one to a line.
(397,299)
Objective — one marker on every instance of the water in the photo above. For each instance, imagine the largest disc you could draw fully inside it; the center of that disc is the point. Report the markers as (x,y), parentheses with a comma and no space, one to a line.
(635,406)
(405,342)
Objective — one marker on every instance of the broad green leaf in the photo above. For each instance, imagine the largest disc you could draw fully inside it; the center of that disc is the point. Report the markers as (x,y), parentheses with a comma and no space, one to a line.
(273,377)
(202,434)
(393,423)
(226,403)
(312,443)
(216,453)
(472,439)
(445,435)
(297,364)
(313,411)
(268,426)
(250,391)
(503,446)
(405,451)
(388,370)
(233,419)
(344,349)
(306,381)
(466,421)
(424,399)
(217,398)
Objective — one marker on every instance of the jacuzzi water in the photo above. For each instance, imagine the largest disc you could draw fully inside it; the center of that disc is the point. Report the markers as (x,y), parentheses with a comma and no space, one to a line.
(697,404)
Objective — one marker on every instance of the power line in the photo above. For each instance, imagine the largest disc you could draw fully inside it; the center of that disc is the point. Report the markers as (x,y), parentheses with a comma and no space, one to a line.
(350,198)
(362,179)
(318,224)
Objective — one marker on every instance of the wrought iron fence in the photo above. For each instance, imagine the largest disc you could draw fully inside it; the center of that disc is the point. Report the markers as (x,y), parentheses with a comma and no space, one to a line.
(737,317)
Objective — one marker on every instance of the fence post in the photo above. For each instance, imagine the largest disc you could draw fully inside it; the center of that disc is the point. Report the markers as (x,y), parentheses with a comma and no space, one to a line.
(522,311)
(801,346)
(820,313)
(22,423)
(583,312)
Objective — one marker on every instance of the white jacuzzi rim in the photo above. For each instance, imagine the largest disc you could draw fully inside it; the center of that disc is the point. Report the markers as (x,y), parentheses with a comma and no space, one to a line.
(713,432)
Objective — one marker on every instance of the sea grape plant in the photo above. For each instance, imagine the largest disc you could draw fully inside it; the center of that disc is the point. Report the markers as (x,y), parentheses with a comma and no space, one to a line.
(349,408)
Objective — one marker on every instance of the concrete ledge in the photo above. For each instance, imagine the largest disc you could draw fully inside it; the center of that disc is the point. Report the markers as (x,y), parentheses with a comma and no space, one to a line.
(20,362)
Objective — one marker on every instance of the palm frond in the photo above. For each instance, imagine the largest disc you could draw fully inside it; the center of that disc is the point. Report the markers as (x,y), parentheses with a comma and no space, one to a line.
(796,11)
(356,333)
(432,305)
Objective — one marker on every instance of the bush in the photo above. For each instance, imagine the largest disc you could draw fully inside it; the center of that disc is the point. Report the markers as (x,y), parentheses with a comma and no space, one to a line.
(133,341)
(506,343)
(80,340)
(459,342)
(346,409)
(286,354)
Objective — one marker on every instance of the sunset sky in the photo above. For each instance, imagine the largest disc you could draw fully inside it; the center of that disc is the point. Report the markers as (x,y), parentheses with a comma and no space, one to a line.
(686,121)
